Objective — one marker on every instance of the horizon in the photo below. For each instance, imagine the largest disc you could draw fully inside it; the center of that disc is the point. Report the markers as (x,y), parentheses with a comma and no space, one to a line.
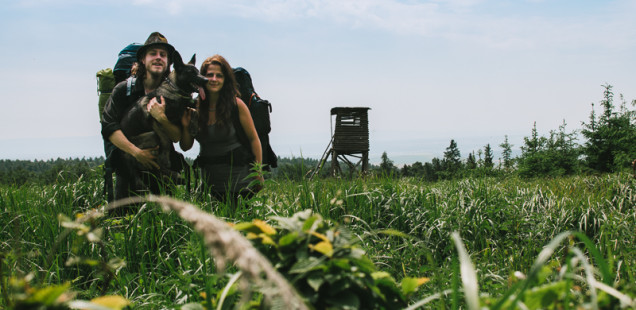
(92,147)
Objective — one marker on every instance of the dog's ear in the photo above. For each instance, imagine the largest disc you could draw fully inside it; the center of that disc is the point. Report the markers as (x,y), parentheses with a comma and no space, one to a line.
(176,59)
(193,60)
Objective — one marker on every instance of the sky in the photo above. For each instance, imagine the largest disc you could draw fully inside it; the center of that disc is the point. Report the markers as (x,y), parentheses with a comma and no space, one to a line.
(473,71)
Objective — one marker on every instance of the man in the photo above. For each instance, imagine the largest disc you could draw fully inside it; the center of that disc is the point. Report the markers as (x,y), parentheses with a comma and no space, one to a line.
(154,60)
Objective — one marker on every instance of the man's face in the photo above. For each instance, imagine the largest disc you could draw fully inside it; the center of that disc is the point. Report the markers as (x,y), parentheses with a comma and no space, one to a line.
(156,61)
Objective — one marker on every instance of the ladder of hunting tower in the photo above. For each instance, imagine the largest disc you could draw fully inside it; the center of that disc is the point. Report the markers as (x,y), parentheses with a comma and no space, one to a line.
(349,139)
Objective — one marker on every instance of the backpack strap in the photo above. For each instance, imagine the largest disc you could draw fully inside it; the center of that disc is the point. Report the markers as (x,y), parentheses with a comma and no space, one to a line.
(130,84)
(256,97)
(238,128)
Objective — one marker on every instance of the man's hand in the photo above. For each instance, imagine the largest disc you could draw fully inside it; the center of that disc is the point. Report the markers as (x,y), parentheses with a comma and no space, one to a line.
(157,109)
(146,157)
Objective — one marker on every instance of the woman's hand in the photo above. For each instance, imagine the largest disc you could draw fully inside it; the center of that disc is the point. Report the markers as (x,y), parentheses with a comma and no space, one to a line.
(260,184)
(187,117)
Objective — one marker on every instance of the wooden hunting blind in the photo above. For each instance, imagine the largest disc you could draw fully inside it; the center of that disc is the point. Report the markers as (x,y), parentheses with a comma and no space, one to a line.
(349,139)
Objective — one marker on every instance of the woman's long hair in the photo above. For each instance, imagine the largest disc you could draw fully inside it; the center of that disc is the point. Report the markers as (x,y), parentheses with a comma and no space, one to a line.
(227,96)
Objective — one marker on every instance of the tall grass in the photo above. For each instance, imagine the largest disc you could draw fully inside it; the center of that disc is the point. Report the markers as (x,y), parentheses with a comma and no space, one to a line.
(504,225)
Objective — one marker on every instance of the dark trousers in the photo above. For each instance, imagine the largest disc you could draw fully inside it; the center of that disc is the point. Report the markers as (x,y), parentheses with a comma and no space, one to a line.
(125,186)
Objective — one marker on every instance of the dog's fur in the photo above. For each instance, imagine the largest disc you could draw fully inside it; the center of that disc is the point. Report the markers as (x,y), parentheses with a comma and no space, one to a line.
(145,132)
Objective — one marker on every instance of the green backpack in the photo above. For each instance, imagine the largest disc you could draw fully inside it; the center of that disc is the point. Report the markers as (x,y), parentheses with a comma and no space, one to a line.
(105,85)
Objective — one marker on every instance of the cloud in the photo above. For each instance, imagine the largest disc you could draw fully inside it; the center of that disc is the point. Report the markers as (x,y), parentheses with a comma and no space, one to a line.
(492,24)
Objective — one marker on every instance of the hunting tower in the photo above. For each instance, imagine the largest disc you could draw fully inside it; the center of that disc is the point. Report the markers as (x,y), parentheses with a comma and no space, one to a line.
(349,141)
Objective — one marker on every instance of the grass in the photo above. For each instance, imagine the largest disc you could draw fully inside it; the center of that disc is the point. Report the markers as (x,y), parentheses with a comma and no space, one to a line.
(405,225)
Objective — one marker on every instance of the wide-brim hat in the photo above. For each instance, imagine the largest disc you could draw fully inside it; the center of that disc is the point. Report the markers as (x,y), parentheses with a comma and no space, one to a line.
(155,39)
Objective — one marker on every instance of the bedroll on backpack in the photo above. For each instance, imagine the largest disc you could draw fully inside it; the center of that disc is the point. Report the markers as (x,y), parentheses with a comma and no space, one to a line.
(105,85)
(260,110)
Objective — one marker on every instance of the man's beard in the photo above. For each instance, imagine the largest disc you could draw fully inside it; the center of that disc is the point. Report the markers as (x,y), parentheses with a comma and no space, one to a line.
(155,74)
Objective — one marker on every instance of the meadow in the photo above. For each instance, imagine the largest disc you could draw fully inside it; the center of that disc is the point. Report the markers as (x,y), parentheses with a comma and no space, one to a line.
(504,242)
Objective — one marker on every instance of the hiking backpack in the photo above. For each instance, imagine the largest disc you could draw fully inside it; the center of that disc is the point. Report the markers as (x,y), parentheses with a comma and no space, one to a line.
(108,78)
(106,81)
(125,60)
(260,110)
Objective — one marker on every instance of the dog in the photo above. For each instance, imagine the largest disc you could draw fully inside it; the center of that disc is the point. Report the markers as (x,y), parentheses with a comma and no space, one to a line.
(144,131)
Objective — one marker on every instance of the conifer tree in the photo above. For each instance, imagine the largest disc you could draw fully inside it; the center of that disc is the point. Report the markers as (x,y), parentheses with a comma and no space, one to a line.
(488,157)
(506,152)
(386,165)
(611,137)
(452,158)
(554,156)
(471,162)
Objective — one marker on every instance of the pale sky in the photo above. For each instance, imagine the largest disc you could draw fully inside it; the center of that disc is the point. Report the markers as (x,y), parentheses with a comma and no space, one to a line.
(431,71)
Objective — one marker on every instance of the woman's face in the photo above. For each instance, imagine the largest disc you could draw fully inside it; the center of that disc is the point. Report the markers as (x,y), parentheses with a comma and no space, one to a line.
(215,78)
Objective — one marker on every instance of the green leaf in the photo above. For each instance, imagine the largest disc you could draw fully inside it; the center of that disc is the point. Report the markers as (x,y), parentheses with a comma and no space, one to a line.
(323,247)
(380,274)
(247,227)
(342,263)
(309,223)
(49,294)
(288,239)
(409,285)
(345,301)
(385,281)
(308,264)
(315,282)
(545,295)
(364,264)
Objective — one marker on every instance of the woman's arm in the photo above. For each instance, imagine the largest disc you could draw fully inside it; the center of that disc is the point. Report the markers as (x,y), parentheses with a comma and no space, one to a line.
(248,126)
(187,140)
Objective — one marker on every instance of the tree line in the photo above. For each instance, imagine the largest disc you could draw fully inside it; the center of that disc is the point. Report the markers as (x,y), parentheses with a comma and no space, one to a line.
(19,172)
(609,145)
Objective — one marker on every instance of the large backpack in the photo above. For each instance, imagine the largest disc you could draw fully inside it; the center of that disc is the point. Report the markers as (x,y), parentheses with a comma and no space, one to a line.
(108,78)
(106,81)
(260,110)
(125,60)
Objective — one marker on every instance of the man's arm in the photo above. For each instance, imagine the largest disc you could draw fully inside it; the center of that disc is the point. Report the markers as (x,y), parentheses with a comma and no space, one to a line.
(111,129)
(145,156)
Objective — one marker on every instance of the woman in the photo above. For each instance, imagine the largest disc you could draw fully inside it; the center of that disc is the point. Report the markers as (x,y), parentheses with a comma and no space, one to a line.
(229,142)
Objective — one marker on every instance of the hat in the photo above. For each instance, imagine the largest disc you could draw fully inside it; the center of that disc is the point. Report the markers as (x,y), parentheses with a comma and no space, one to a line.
(155,39)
